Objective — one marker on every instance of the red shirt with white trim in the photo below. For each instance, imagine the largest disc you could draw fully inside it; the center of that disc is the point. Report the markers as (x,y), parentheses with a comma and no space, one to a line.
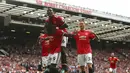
(83,38)
(45,45)
(57,20)
(55,41)
(113,61)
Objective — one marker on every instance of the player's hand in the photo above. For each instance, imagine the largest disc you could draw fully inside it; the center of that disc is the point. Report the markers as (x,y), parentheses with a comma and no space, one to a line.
(49,37)
(63,26)
(57,27)
(75,31)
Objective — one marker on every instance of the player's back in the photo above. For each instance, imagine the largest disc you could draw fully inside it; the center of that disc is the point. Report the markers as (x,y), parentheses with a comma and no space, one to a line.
(55,41)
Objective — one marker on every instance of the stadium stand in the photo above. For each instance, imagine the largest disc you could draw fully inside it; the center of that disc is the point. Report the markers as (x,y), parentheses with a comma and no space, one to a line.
(4,7)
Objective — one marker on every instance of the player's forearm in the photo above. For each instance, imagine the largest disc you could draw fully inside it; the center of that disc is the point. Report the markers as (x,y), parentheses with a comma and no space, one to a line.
(96,37)
(47,38)
(63,26)
(68,34)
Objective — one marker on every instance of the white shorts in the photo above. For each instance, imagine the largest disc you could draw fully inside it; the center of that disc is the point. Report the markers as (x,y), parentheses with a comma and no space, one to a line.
(112,70)
(54,58)
(84,59)
(64,41)
(44,61)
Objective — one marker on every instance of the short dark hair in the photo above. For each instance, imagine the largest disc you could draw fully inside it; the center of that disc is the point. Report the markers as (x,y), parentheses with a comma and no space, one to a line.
(42,31)
(49,8)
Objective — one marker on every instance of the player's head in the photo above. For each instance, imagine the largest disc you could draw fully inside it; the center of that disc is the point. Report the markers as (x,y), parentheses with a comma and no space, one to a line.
(112,54)
(50,12)
(82,25)
(42,32)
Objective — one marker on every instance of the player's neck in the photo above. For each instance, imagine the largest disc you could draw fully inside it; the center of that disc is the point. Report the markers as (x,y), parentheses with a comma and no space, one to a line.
(82,29)
(112,56)
(51,16)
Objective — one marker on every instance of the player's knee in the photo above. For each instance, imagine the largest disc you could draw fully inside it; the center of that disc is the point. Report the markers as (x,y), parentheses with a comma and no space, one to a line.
(82,68)
(110,70)
(89,65)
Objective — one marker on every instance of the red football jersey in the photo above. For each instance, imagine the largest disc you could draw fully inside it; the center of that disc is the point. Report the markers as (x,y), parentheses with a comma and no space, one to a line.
(56,20)
(83,38)
(113,61)
(55,41)
(45,45)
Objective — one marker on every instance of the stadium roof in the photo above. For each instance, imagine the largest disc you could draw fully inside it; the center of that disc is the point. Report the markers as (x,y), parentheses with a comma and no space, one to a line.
(105,29)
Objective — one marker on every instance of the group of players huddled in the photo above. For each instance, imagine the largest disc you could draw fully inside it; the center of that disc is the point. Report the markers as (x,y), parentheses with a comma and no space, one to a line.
(54,40)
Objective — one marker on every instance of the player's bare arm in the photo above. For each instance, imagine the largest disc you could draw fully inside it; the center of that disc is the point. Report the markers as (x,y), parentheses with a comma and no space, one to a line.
(97,38)
(47,38)
(69,34)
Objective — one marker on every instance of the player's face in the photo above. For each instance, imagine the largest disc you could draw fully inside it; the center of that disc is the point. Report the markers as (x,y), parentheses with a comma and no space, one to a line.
(112,54)
(41,33)
(50,12)
(82,26)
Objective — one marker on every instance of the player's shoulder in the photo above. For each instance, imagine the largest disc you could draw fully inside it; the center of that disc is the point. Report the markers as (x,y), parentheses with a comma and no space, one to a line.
(110,57)
(43,35)
(47,20)
(59,17)
(115,57)
(91,31)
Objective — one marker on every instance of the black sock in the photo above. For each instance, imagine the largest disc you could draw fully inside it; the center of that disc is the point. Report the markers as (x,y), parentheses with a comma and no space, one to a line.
(64,67)
(90,70)
(47,69)
(83,71)
(53,69)
(53,65)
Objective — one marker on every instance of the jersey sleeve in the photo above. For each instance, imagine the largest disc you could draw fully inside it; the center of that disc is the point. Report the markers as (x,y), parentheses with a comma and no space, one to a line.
(75,36)
(61,20)
(116,59)
(47,20)
(91,35)
(40,37)
(109,59)
(59,32)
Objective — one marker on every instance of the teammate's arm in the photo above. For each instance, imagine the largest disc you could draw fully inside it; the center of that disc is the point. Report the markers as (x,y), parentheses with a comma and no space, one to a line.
(42,39)
(108,60)
(70,34)
(118,59)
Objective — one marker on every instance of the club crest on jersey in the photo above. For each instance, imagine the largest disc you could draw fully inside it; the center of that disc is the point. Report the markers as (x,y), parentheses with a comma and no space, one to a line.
(51,38)
(47,42)
(112,61)
(82,37)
